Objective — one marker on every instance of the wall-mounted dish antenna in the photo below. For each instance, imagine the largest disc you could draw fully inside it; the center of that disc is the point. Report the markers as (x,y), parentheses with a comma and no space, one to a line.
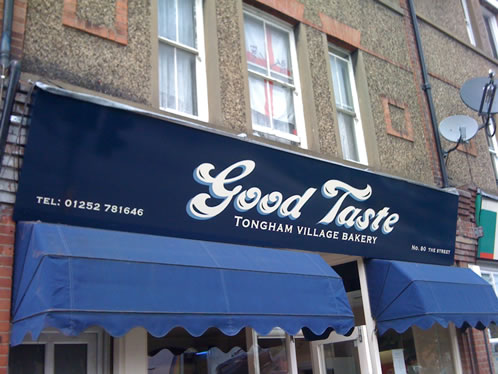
(458,129)
(479,95)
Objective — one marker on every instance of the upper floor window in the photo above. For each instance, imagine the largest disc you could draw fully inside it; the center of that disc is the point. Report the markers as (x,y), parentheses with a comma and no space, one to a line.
(493,150)
(468,24)
(491,28)
(346,100)
(182,77)
(276,107)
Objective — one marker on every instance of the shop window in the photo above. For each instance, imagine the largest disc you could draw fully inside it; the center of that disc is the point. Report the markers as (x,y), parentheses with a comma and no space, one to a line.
(54,353)
(341,357)
(182,72)
(417,351)
(276,107)
(491,28)
(468,24)
(180,353)
(346,100)
(215,353)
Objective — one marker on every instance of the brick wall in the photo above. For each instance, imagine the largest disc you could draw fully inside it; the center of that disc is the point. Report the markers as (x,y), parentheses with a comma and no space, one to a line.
(467,232)
(7,230)
(18,27)
(474,344)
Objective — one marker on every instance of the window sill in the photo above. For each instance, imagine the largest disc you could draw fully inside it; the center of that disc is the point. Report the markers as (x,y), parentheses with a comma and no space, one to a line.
(275,135)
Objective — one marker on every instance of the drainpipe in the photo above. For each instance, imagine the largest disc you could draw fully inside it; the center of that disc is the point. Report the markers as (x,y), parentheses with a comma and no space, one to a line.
(427,89)
(8,11)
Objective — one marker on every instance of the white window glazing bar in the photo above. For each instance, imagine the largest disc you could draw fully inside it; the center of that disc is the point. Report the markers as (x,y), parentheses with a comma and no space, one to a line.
(184,47)
(272,79)
(290,347)
(177,95)
(177,18)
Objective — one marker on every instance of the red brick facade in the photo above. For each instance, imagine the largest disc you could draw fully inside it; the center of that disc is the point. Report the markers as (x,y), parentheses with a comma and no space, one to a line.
(18,27)
(475,349)
(7,230)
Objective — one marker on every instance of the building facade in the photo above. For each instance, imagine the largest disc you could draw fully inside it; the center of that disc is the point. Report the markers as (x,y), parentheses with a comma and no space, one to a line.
(284,95)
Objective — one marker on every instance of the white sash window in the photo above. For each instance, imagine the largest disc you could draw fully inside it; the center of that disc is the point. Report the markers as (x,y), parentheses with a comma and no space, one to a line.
(276,107)
(182,77)
(348,114)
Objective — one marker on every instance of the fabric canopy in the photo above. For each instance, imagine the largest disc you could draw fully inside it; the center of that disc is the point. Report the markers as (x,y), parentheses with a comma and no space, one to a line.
(404,294)
(72,278)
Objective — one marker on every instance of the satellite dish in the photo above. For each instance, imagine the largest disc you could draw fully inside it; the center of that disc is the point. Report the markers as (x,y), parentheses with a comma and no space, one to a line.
(471,94)
(458,128)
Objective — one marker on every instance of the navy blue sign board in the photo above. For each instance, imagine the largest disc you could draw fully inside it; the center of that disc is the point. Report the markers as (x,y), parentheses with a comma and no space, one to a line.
(91,165)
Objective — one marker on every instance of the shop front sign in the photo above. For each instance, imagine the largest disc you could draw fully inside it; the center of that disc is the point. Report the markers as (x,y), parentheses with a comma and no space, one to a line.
(93,165)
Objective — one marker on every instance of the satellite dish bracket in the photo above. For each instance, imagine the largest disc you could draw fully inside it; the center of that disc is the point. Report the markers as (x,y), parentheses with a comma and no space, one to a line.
(488,96)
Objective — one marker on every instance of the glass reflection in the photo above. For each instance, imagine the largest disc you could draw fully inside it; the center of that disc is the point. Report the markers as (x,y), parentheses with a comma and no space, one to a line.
(272,356)
(341,358)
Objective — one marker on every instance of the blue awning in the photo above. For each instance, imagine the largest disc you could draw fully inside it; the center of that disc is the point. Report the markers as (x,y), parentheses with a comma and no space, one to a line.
(72,278)
(404,294)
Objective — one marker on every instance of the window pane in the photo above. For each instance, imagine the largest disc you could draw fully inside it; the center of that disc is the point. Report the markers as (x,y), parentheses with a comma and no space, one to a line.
(341,358)
(487,277)
(167,86)
(493,331)
(303,355)
(27,359)
(260,108)
(167,19)
(255,44)
(70,358)
(279,53)
(212,353)
(272,356)
(347,134)
(186,82)
(433,349)
(342,83)
(186,22)
(282,108)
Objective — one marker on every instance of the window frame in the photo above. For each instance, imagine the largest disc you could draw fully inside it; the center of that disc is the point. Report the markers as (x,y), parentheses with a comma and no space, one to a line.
(492,29)
(200,63)
(468,24)
(98,348)
(493,3)
(493,152)
(296,93)
(493,274)
(344,55)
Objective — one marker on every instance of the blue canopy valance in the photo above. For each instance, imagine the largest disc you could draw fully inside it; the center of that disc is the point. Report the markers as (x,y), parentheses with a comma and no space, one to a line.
(404,294)
(72,278)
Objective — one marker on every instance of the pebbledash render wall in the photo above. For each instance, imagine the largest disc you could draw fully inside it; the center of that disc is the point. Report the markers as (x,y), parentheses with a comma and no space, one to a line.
(110,48)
